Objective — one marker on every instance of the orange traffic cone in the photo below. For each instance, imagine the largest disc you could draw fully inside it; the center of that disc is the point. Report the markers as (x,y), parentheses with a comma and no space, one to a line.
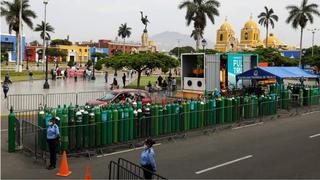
(64,168)
(88,176)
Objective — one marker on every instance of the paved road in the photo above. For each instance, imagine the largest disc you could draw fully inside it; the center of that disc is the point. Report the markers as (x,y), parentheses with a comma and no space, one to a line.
(280,148)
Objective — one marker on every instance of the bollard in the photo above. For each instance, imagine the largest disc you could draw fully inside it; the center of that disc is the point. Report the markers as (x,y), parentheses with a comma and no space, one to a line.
(85,129)
(11,131)
(92,130)
(104,127)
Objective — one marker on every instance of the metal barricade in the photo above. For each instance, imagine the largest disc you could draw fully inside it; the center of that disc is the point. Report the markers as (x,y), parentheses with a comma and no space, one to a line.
(21,102)
(124,169)
(84,97)
(55,99)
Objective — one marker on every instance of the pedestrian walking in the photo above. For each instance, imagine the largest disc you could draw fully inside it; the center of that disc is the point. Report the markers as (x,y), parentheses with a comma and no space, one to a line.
(30,76)
(5,87)
(7,78)
(124,79)
(84,74)
(160,80)
(53,136)
(147,160)
(106,77)
(66,73)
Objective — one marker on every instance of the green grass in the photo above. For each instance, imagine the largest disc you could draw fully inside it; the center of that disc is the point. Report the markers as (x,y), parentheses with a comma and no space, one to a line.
(22,76)
(145,80)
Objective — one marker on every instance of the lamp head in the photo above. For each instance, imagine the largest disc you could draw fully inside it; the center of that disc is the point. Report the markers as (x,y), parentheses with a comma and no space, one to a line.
(45,1)
(204,42)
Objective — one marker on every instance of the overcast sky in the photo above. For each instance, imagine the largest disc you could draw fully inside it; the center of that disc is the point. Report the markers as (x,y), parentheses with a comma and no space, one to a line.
(85,20)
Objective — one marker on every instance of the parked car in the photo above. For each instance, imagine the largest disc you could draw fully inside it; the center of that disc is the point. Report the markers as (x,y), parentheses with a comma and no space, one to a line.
(121,95)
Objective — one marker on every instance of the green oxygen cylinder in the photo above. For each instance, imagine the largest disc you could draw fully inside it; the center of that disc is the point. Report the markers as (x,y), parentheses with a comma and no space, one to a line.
(59,113)
(109,126)
(72,130)
(79,130)
(168,122)
(41,134)
(139,123)
(160,124)
(11,131)
(185,116)
(85,129)
(146,125)
(207,112)
(246,107)
(222,109)
(92,130)
(177,122)
(153,119)
(121,125)
(188,124)
(104,127)
(173,117)
(47,118)
(201,114)
(98,122)
(139,105)
(131,123)
(234,109)
(193,114)
(214,111)
(165,119)
(64,130)
(126,126)
(115,125)
(156,120)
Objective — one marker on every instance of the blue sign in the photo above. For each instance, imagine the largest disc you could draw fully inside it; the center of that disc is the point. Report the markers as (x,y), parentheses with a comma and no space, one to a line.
(235,67)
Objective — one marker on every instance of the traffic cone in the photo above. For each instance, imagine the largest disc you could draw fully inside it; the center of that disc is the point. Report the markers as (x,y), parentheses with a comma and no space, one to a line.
(88,176)
(64,168)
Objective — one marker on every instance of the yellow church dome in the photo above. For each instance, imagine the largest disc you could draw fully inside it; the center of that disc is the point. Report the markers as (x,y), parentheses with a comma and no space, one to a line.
(226,26)
(251,24)
(273,40)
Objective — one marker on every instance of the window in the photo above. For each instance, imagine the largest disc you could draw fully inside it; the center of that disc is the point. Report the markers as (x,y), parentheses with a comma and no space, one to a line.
(221,37)
(85,50)
(246,36)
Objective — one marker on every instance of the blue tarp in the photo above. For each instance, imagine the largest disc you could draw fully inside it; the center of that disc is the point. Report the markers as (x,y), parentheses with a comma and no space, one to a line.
(279,73)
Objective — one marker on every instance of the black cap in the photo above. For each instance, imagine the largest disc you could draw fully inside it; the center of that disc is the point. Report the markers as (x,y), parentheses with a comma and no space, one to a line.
(149,142)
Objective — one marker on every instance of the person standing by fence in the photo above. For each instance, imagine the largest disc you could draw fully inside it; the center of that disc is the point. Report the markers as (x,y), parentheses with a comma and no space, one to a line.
(30,76)
(53,136)
(124,77)
(106,77)
(147,160)
(5,87)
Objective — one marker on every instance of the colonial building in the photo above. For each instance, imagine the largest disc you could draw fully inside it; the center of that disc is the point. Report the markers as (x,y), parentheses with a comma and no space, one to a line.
(9,45)
(226,40)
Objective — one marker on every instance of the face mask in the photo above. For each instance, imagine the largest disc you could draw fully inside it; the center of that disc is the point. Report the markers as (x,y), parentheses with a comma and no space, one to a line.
(145,146)
(50,123)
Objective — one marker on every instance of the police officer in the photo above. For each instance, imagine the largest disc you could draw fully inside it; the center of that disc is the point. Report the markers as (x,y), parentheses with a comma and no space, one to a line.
(53,136)
(147,160)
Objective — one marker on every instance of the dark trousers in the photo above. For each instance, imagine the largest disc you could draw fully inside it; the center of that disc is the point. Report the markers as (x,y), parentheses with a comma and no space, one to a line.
(5,93)
(147,174)
(53,151)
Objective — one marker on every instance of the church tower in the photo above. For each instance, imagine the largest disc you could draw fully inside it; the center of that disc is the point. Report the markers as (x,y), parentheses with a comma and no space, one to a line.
(250,35)
(226,40)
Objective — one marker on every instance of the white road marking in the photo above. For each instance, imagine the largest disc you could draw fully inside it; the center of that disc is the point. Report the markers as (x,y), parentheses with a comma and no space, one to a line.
(240,127)
(124,151)
(313,136)
(224,164)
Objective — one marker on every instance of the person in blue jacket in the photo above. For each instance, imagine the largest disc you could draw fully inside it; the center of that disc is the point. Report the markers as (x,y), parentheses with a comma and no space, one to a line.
(147,160)
(53,136)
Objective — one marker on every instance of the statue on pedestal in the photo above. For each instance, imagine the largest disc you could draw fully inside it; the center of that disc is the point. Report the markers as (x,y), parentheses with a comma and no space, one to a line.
(144,21)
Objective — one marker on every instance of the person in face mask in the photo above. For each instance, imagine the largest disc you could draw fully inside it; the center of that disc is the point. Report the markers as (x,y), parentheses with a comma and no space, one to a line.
(147,160)
(53,136)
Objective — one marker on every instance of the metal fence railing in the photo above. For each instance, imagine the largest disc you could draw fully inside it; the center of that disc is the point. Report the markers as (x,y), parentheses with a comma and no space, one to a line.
(124,169)
(23,102)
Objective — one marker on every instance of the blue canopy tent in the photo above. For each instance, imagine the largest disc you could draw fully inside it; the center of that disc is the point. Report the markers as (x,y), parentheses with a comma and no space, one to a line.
(278,73)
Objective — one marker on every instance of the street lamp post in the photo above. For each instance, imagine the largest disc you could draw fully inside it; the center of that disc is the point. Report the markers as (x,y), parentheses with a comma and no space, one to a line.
(46,84)
(204,44)
(93,76)
(313,31)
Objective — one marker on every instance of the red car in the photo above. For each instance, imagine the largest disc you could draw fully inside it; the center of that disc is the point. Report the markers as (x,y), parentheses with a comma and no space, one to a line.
(121,95)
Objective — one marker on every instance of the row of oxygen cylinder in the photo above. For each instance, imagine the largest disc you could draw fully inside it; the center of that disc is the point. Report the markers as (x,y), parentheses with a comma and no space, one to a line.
(91,127)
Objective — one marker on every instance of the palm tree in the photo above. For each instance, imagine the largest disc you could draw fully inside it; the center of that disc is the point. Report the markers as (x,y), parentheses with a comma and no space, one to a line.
(267,18)
(124,31)
(300,15)
(196,35)
(197,11)
(11,10)
(40,28)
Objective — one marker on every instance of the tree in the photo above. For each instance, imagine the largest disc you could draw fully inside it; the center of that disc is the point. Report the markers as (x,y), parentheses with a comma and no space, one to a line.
(177,51)
(124,31)
(197,11)
(98,55)
(140,62)
(40,28)
(312,61)
(11,11)
(54,53)
(300,15)
(56,42)
(34,43)
(267,18)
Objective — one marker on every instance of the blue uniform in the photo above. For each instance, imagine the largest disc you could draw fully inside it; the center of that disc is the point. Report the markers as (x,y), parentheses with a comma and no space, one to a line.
(53,132)
(147,158)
